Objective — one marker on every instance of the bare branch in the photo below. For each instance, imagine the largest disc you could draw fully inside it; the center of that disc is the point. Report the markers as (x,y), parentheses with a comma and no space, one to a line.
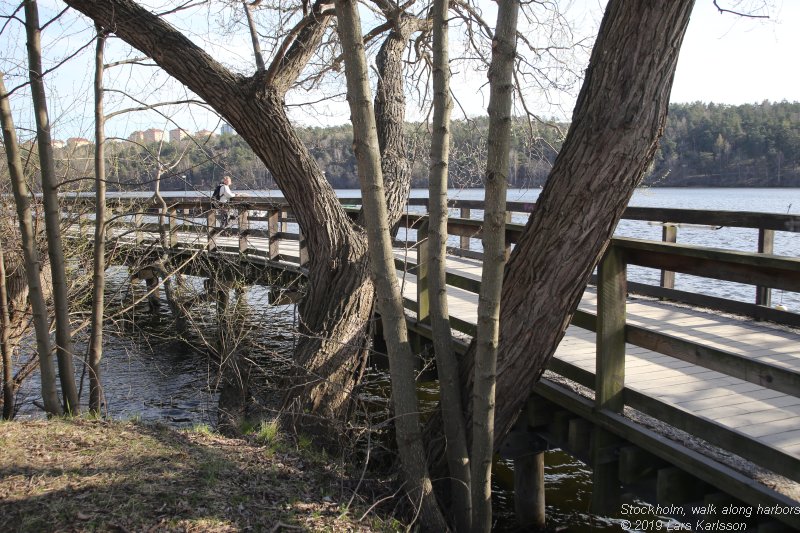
(298,46)
(738,13)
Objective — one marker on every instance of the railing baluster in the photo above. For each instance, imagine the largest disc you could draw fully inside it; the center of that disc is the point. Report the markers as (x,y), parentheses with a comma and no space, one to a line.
(766,245)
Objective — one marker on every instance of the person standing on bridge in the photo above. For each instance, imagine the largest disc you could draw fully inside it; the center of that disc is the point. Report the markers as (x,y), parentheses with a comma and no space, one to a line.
(223,194)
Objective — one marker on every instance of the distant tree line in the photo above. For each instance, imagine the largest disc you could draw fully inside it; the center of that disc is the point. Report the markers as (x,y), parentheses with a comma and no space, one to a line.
(704,145)
(751,145)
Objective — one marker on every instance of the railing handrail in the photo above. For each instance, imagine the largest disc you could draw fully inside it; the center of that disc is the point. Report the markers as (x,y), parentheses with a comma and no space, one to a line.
(738,219)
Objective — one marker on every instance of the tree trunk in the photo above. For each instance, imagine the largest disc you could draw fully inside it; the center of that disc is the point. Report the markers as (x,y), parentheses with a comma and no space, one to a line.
(99,264)
(501,86)
(52,212)
(617,121)
(337,307)
(5,344)
(446,361)
(389,300)
(619,117)
(31,256)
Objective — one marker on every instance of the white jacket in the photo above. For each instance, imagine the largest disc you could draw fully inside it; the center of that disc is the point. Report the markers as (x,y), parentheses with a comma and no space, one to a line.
(225,193)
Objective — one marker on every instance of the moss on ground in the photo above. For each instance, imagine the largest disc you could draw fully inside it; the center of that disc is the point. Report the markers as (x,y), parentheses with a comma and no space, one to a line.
(90,475)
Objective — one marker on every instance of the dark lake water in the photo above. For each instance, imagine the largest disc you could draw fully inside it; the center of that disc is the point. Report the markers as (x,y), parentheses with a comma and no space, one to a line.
(150,376)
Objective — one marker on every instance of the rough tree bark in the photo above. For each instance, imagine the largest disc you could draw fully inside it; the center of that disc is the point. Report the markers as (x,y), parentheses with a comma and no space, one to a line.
(52,212)
(618,118)
(22,200)
(446,361)
(389,301)
(99,260)
(337,307)
(501,85)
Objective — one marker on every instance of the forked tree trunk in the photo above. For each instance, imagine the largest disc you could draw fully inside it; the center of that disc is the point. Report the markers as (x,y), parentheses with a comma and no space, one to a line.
(336,310)
(52,212)
(504,46)
(22,200)
(446,361)
(99,264)
(389,300)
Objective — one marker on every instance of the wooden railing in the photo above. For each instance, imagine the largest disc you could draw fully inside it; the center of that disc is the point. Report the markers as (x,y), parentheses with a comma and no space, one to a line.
(758,268)
(268,218)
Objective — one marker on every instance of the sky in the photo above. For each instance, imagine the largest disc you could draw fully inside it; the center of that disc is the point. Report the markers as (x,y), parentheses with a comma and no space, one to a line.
(725,59)
(734,60)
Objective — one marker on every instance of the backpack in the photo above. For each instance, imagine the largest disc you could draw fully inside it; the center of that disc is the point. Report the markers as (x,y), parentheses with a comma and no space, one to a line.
(217,194)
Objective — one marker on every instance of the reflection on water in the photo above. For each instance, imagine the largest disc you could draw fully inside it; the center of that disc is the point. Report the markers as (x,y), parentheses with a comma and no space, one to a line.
(149,374)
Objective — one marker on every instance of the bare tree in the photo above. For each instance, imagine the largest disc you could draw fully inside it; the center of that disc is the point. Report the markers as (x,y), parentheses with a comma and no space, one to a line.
(52,212)
(22,199)
(494,259)
(5,343)
(99,265)
(446,361)
(389,301)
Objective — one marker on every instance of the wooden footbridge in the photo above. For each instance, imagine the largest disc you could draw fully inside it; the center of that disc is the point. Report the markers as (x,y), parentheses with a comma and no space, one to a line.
(678,396)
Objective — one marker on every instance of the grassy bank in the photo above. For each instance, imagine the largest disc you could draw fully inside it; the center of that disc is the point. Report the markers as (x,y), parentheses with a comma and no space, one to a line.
(80,475)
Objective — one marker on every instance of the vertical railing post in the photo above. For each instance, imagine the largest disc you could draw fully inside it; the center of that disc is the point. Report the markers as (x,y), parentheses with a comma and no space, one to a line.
(244,230)
(172,219)
(303,248)
(211,228)
(423,259)
(273,226)
(138,220)
(464,239)
(669,233)
(766,245)
(610,365)
(609,375)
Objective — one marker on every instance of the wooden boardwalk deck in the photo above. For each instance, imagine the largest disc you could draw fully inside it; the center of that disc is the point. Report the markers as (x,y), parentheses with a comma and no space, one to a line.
(769,416)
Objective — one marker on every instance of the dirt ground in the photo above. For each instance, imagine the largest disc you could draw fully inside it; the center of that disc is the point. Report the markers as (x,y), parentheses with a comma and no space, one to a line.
(87,475)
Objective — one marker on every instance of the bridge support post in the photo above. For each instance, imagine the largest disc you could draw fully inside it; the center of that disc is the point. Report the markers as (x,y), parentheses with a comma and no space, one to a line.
(766,244)
(526,448)
(529,500)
